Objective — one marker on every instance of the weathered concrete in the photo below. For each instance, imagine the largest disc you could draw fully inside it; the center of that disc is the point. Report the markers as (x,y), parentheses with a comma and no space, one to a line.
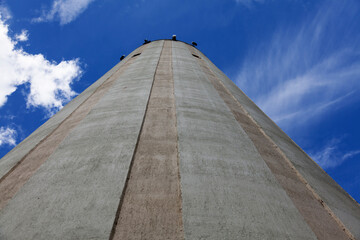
(228,191)
(343,206)
(75,193)
(164,146)
(316,216)
(151,208)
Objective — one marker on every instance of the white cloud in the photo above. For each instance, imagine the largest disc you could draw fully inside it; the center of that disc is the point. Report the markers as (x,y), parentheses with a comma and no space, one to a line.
(23,36)
(4,12)
(49,82)
(7,136)
(330,156)
(64,10)
(308,70)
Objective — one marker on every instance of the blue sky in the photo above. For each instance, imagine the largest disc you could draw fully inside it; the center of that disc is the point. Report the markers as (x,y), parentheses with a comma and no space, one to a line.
(298,60)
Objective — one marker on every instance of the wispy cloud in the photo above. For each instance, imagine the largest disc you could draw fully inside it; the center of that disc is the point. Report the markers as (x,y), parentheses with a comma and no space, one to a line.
(5,12)
(249,3)
(49,82)
(7,136)
(306,70)
(331,156)
(64,11)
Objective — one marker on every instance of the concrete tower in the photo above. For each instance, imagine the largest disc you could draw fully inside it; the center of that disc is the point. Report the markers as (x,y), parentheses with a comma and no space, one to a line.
(165,146)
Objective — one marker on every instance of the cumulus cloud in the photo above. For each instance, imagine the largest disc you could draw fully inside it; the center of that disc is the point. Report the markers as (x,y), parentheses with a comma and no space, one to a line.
(64,11)
(23,36)
(49,82)
(7,136)
(330,156)
(308,70)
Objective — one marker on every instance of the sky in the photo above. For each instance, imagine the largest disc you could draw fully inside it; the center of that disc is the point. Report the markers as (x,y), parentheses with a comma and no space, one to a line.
(298,60)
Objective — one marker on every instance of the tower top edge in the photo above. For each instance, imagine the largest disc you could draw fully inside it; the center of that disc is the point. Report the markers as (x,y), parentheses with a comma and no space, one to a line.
(165,39)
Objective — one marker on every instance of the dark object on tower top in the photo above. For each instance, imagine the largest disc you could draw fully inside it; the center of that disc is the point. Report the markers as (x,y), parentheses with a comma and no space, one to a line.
(194,44)
(122,57)
(173,37)
(146,41)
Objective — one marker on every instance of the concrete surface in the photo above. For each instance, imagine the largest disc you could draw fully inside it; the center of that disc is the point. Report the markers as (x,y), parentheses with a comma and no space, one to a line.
(228,191)
(151,208)
(75,193)
(344,207)
(165,146)
(316,216)
(29,164)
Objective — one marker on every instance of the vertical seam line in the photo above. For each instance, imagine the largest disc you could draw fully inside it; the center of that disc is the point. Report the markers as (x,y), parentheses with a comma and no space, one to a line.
(177,147)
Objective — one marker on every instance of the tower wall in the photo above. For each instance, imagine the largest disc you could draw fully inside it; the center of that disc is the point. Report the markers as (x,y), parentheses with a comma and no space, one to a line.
(165,146)
(339,203)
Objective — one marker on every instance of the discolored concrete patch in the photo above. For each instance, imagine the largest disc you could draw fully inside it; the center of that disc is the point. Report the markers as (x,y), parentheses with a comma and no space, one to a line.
(151,204)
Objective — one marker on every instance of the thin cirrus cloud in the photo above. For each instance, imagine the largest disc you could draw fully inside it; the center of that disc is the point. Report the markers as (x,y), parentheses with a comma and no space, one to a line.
(330,156)
(64,11)
(307,71)
(49,82)
(249,3)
